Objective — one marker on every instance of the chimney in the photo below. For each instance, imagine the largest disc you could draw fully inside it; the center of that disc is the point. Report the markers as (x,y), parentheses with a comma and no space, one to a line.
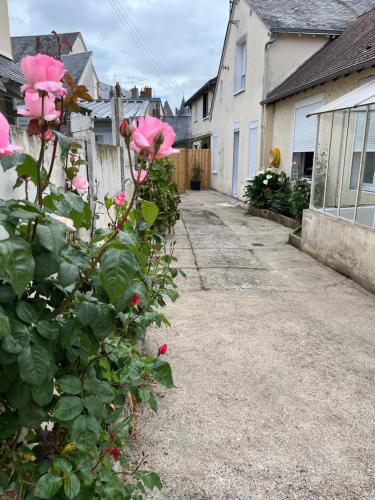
(118,90)
(147,93)
(135,93)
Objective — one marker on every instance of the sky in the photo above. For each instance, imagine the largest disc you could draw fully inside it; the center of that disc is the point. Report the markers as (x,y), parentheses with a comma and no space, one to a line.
(183,38)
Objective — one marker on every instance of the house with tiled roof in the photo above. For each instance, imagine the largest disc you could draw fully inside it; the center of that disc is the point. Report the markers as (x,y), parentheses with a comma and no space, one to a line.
(266,42)
(11,77)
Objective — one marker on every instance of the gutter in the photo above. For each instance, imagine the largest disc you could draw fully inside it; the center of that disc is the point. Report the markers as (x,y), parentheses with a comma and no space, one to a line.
(320,81)
(272,40)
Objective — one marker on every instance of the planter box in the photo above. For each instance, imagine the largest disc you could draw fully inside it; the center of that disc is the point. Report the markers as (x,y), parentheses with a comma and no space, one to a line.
(267,214)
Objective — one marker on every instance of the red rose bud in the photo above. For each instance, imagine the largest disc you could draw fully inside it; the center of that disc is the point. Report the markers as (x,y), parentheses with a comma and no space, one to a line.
(162,349)
(158,141)
(125,131)
(136,299)
(115,453)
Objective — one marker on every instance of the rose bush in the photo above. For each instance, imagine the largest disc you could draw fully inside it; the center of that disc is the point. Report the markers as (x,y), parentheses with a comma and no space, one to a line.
(71,311)
(259,190)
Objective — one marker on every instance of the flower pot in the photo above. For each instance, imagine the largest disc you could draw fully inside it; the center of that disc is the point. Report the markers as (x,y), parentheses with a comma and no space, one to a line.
(195,185)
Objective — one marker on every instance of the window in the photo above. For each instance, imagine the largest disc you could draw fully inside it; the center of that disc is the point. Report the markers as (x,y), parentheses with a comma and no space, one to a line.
(368,176)
(240,66)
(252,155)
(215,153)
(205,105)
(195,111)
(304,139)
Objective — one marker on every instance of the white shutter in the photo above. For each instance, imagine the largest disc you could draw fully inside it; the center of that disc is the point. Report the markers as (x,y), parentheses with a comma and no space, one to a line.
(360,132)
(305,129)
(253,140)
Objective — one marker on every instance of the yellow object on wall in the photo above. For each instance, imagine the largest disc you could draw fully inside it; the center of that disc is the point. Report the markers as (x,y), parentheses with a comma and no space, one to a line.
(275,157)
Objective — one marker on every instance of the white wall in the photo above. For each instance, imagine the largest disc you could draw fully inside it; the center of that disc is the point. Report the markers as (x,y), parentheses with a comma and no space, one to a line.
(201,126)
(5,45)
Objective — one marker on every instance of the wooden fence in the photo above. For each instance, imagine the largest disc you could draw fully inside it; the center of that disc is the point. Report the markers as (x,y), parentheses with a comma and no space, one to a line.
(184,162)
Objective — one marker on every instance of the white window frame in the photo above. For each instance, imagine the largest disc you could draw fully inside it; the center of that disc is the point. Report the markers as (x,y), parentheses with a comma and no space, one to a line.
(365,186)
(240,65)
(252,126)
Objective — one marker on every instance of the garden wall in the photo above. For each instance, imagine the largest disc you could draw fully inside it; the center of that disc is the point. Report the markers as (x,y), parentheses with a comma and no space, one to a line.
(103,169)
(346,247)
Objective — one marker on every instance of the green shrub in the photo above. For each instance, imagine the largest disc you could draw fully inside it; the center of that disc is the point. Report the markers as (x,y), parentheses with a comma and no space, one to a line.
(300,198)
(280,201)
(159,189)
(260,190)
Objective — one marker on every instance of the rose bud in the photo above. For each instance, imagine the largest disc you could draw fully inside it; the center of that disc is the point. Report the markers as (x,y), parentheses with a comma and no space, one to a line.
(158,141)
(116,453)
(47,135)
(136,299)
(125,131)
(162,349)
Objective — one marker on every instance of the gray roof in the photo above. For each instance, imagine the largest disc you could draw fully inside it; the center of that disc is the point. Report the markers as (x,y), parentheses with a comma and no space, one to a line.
(309,15)
(210,85)
(184,110)
(10,71)
(132,108)
(167,109)
(26,45)
(352,51)
(76,64)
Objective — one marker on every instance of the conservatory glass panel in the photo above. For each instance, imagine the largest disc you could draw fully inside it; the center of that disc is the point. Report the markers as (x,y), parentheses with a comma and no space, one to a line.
(365,213)
(321,160)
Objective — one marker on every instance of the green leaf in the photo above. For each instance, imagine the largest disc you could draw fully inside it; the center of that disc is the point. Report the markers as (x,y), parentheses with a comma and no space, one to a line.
(19,338)
(84,428)
(11,161)
(47,330)
(162,372)
(64,143)
(70,384)
(151,480)
(62,465)
(68,273)
(52,236)
(16,263)
(33,364)
(153,403)
(117,271)
(68,408)
(28,168)
(48,485)
(42,394)
(103,390)
(94,406)
(8,425)
(26,313)
(19,394)
(149,212)
(72,485)
(6,294)
(97,316)
(4,325)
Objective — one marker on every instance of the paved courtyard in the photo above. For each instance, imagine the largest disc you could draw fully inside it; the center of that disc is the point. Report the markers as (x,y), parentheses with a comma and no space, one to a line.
(274,365)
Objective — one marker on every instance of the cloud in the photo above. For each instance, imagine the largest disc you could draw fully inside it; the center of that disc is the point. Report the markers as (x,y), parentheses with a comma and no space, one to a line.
(186,36)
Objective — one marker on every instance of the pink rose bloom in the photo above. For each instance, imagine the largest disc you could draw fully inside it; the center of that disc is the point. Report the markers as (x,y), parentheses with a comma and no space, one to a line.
(163,349)
(48,134)
(34,107)
(6,149)
(120,200)
(142,176)
(43,72)
(146,131)
(79,184)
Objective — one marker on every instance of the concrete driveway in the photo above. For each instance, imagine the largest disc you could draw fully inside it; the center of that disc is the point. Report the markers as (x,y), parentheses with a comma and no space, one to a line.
(274,364)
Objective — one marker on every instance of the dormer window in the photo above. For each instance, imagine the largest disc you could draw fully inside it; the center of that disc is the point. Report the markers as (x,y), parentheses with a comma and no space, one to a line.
(205,105)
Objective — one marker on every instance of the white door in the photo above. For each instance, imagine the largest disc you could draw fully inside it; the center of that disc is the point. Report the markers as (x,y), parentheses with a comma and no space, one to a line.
(236,154)
(252,160)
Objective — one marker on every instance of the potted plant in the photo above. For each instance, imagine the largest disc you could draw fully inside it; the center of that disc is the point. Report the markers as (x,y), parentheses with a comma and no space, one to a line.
(195,183)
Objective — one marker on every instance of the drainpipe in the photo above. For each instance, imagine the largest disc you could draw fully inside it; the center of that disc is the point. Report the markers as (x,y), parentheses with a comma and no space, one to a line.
(264,93)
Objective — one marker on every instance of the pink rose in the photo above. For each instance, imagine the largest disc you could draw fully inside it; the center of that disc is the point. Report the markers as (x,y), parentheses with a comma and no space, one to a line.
(34,107)
(6,149)
(120,200)
(162,349)
(142,175)
(43,72)
(48,134)
(79,184)
(153,137)
(136,299)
